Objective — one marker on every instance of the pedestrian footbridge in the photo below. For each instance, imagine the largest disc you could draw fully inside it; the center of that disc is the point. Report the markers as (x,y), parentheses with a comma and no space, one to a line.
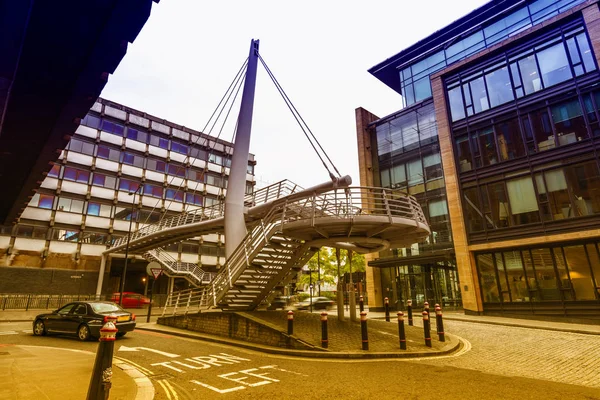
(285,226)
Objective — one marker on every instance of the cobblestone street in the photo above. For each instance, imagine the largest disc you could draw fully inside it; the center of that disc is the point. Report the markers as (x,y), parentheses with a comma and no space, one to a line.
(564,357)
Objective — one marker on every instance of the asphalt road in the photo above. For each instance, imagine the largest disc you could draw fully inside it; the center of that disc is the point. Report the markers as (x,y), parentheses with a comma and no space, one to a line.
(183,369)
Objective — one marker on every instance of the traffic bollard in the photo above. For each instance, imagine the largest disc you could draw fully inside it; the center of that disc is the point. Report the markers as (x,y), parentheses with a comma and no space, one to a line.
(387,310)
(361,302)
(290,322)
(363,330)
(324,339)
(439,323)
(426,329)
(401,333)
(426,307)
(409,308)
(101,381)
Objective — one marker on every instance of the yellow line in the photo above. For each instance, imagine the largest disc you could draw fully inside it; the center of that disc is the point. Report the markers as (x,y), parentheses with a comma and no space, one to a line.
(160,382)
(145,371)
(172,390)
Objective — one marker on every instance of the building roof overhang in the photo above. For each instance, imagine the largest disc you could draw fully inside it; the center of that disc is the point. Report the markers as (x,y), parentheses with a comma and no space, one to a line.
(56,58)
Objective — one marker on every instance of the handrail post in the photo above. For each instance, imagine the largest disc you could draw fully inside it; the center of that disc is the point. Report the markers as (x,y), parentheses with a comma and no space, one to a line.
(387,205)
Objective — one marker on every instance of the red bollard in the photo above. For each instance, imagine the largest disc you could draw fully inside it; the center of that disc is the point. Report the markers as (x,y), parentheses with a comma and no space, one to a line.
(363,330)
(401,333)
(324,339)
(387,310)
(290,322)
(439,323)
(426,329)
(101,381)
(409,309)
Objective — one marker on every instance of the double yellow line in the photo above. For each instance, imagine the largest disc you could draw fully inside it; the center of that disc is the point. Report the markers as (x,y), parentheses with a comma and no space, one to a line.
(169,390)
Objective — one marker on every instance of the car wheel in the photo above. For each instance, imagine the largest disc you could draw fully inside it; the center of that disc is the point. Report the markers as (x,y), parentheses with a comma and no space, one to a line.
(83,332)
(121,334)
(39,328)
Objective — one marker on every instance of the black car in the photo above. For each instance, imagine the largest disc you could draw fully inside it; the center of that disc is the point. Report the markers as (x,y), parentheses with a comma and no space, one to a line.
(84,319)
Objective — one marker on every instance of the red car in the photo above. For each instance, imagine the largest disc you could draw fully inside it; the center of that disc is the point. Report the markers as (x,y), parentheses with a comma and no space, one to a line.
(131,300)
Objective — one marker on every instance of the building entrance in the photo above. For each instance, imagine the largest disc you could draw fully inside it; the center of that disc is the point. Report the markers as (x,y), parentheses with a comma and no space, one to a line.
(436,283)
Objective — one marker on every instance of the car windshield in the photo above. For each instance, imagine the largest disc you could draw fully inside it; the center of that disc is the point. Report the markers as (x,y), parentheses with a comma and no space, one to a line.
(105,307)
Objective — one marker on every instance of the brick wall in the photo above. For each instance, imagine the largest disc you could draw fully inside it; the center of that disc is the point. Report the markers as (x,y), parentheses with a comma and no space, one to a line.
(234,326)
(48,281)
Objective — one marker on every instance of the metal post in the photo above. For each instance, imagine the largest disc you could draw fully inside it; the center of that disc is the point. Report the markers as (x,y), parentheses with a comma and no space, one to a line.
(426,329)
(426,307)
(101,275)
(290,316)
(363,330)
(101,381)
(235,224)
(351,295)
(401,332)
(387,309)
(150,305)
(319,270)
(324,338)
(361,303)
(439,323)
(409,309)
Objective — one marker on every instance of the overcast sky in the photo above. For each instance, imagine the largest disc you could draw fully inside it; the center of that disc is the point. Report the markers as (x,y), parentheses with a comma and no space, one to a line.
(189,51)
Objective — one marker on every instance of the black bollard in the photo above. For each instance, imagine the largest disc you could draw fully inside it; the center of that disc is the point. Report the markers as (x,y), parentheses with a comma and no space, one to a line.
(426,307)
(401,333)
(363,330)
(439,323)
(101,381)
(324,340)
(387,310)
(409,308)
(361,302)
(426,329)
(290,322)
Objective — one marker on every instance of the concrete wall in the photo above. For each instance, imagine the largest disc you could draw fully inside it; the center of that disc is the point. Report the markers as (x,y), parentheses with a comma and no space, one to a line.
(48,281)
(234,326)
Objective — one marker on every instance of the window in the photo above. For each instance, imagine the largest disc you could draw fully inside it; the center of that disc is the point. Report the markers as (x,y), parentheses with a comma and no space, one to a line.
(455,99)
(159,142)
(153,190)
(179,148)
(499,87)
(98,209)
(487,145)
(215,158)
(133,159)
(465,159)
(250,169)
(91,121)
(473,214)
(137,134)
(42,201)
(77,175)
(108,153)
(80,146)
(487,277)
(104,181)
(554,65)
(214,180)
(194,175)
(112,127)
(569,122)
(385,178)
(156,165)
(479,95)
(70,205)
(128,185)
(195,199)
(177,170)
(522,200)
(510,141)
(65,235)
(35,232)
(172,194)
(54,171)
(197,153)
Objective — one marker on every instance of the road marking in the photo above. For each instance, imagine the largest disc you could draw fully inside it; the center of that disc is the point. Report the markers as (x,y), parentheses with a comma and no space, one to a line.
(167,392)
(8,333)
(145,371)
(176,397)
(164,353)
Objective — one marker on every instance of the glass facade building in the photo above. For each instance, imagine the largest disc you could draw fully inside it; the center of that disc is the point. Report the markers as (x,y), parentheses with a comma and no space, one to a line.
(86,201)
(510,177)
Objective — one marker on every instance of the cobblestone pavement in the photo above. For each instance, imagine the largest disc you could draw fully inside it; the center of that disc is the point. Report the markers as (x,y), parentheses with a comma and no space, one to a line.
(564,357)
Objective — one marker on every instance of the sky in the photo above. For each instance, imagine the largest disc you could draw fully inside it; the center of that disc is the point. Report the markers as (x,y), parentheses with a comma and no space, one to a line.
(189,52)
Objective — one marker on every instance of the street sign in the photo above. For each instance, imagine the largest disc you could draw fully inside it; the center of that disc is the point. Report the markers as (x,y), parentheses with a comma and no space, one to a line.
(151,265)
(156,272)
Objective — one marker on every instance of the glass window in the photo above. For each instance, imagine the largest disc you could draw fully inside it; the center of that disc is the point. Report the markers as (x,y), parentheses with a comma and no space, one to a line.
(594,257)
(473,213)
(569,122)
(137,134)
(129,186)
(91,121)
(579,273)
(586,52)
(177,170)
(487,276)
(77,175)
(385,178)
(399,180)
(487,145)
(179,148)
(583,181)
(522,200)
(554,65)
(156,165)
(464,47)
(422,89)
(195,199)
(553,188)
(564,282)
(98,209)
(173,194)
(70,205)
(409,94)
(507,26)
(42,201)
(516,276)
(499,87)
(464,154)
(479,94)
(104,181)
(510,141)
(215,158)
(542,130)
(54,171)
(433,166)
(112,127)
(530,75)
(457,109)
(546,278)
(108,153)
(504,292)
(498,206)
(153,190)
(159,142)
(81,147)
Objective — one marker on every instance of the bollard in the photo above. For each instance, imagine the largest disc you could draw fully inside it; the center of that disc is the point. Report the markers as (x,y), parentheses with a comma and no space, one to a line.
(426,329)
(102,374)
(409,308)
(290,322)
(426,307)
(401,333)
(387,310)
(363,330)
(439,323)
(324,340)
(361,302)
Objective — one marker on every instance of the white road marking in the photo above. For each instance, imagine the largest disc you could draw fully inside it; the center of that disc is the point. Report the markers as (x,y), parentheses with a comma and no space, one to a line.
(9,333)
(164,353)
(143,370)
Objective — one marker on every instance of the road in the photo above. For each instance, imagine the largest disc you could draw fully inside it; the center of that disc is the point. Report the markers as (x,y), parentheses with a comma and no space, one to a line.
(184,369)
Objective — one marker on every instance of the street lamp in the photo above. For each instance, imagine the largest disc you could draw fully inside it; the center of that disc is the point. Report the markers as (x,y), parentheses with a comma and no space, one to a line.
(127,245)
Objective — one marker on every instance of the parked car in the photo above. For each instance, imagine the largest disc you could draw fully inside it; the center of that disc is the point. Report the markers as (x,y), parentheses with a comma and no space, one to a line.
(318,303)
(131,300)
(279,302)
(84,319)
